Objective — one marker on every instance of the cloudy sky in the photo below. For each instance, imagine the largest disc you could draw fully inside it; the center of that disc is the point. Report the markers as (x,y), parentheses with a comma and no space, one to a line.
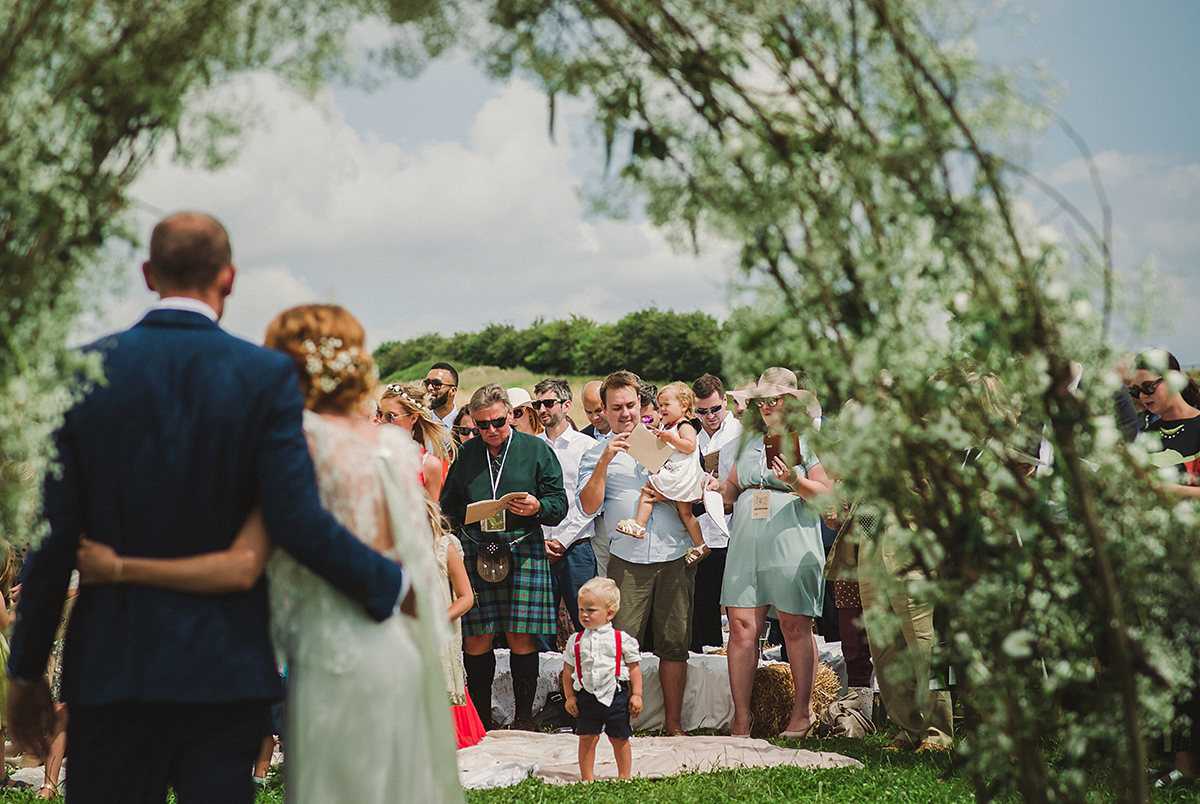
(441,203)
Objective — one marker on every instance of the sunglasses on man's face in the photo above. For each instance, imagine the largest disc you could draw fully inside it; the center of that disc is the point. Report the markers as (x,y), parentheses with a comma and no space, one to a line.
(491,424)
(545,403)
(713,410)
(1146,388)
(438,384)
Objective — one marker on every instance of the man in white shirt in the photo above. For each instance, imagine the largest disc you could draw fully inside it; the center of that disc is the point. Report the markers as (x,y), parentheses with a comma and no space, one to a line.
(651,572)
(593,408)
(569,543)
(441,385)
(720,434)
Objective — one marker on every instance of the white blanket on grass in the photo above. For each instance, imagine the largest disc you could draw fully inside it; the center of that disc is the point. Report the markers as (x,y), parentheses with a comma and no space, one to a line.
(505,758)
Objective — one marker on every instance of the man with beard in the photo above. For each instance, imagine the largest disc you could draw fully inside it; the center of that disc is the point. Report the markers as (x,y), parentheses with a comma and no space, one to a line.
(441,384)
(568,544)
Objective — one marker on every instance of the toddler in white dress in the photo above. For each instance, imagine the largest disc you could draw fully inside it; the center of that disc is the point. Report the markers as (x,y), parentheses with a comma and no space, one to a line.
(681,478)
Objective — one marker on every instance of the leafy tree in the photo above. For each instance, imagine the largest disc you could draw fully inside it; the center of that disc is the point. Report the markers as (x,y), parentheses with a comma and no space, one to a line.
(89,91)
(867,164)
(395,356)
(552,346)
(669,346)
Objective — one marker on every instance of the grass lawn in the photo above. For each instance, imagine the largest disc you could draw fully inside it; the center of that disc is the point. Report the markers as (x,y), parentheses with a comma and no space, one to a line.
(886,777)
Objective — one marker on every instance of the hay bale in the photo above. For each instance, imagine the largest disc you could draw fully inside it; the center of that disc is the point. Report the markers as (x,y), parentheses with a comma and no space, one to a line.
(774,694)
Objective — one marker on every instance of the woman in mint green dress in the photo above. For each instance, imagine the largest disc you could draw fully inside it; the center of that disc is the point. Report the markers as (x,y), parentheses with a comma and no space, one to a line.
(775,556)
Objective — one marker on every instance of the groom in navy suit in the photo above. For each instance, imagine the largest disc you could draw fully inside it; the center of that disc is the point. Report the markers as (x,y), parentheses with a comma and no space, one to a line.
(190,429)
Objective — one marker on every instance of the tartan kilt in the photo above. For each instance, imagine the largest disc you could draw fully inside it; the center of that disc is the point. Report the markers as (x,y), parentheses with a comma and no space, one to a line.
(523,603)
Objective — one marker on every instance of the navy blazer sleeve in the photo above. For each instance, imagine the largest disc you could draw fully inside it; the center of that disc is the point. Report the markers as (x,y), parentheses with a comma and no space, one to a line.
(299,524)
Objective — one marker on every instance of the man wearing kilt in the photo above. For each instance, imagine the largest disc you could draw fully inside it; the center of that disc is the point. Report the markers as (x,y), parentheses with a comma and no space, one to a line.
(514,594)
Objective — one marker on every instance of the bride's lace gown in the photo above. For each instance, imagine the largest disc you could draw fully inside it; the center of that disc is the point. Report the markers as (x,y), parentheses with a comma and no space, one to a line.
(368,718)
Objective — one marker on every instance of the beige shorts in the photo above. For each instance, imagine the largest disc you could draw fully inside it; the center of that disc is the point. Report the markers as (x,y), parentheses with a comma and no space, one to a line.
(660,593)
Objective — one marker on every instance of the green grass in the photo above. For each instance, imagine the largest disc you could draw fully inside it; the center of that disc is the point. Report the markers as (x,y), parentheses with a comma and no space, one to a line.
(885,777)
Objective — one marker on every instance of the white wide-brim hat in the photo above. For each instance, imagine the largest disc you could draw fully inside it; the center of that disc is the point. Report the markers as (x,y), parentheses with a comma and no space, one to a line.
(778,381)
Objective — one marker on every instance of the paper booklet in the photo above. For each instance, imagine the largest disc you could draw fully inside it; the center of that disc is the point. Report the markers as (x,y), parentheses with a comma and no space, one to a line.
(486,509)
(646,449)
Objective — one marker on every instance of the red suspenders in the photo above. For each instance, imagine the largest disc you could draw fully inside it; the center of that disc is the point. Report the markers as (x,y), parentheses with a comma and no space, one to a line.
(579,661)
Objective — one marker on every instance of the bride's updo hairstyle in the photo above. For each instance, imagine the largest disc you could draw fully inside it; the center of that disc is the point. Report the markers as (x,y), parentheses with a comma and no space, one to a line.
(327,345)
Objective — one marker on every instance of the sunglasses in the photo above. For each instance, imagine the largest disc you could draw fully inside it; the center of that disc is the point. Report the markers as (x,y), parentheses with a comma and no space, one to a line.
(769,402)
(707,411)
(461,430)
(438,384)
(491,424)
(546,403)
(1146,388)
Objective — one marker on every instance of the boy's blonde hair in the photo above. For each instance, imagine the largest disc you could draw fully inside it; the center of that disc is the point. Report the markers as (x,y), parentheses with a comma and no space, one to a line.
(605,589)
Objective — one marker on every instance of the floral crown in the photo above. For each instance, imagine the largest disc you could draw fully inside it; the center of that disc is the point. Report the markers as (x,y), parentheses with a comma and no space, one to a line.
(327,363)
(402,392)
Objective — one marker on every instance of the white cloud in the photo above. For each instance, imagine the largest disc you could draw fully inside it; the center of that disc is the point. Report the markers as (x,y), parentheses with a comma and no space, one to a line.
(446,236)
(259,295)
(1155,203)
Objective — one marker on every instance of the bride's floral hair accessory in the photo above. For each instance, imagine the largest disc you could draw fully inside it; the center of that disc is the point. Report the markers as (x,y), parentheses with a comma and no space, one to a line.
(328,363)
(326,344)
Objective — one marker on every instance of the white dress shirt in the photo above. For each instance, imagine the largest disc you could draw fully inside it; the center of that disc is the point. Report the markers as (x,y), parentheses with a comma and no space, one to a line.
(576,525)
(448,421)
(600,671)
(725,443)
(666,537)
(185,303)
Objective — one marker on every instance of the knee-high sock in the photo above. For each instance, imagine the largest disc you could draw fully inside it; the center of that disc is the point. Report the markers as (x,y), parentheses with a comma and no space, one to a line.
(525,679)
(481,671)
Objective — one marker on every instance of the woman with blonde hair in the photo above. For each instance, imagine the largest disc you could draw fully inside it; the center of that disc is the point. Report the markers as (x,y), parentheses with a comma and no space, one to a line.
(403,405)
(339,660)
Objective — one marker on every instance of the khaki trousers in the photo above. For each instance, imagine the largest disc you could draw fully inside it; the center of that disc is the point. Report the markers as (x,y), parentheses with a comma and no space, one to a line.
(902,663)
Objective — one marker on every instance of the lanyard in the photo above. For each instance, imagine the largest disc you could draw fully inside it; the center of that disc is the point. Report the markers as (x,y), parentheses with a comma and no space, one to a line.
(762,477)
(495,479)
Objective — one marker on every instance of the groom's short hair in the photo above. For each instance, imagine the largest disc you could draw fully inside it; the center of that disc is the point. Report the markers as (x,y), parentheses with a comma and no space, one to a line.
(187,251)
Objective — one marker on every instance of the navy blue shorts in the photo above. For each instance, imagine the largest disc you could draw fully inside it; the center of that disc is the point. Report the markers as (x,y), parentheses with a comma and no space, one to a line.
(595,718)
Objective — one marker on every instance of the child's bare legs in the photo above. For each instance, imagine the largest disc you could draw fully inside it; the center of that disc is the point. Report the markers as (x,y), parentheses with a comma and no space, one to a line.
(645,508)
(263,763)
(699,550)
(624,757)
(637,528)
(690,522)
(587,755)
(54,759)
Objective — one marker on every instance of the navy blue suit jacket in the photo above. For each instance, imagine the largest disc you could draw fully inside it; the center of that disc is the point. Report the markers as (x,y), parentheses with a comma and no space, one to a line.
(189,430)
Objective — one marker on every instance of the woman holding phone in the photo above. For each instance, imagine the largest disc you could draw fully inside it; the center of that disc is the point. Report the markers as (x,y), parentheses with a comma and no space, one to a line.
(776,556)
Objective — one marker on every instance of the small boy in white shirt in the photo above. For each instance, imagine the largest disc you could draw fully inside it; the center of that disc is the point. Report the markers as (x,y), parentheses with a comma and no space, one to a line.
(602,679)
